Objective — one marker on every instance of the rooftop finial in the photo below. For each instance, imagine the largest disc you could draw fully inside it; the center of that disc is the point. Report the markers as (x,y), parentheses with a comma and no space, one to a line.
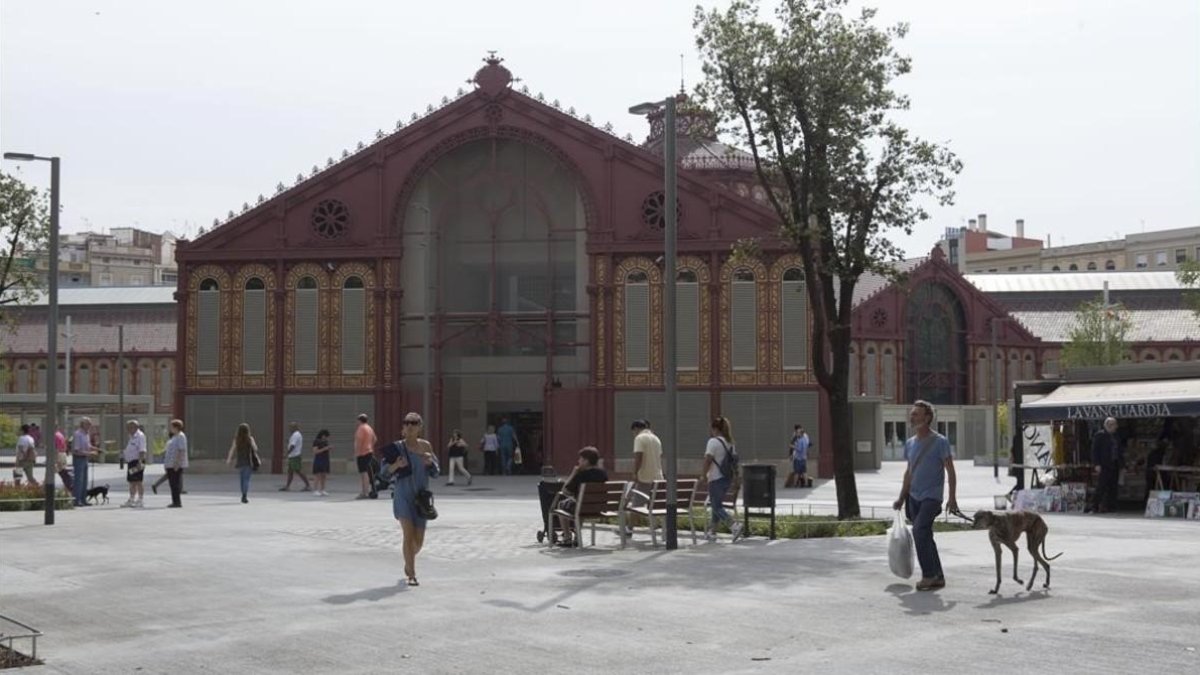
(682,88)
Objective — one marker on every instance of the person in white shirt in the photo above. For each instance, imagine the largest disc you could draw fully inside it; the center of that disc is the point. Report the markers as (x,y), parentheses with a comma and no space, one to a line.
(176,460)
(647,465)
(135,464)
(27,453)
(719,445)
(82,452)
(295,461)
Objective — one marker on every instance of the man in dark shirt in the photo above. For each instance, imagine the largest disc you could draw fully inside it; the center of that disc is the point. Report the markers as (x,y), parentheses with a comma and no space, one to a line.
(587,470)
(1107,459)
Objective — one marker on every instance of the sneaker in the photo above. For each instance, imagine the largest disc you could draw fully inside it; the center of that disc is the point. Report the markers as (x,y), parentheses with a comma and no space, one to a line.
(138,504)
(736,529)
(316,493)
(710,537)
(127,504)
(931,584)
(174,506)
(244,500)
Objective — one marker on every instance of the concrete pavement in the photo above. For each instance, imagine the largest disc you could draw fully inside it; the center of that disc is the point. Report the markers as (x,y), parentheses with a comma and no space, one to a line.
(297,583)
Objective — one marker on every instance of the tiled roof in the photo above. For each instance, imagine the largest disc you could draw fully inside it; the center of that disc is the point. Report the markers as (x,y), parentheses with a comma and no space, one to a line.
(870,283)
(112,295)
(1042,282)
(145,331)
(1150,325)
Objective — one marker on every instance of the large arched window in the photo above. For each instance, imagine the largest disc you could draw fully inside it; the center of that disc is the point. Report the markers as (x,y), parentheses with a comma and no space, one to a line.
(936,363)
(794,304)
(208,328)
(637,321)
(306,318)
(354,325)
(871,371)
(254,327)
(687,321)
(743,320)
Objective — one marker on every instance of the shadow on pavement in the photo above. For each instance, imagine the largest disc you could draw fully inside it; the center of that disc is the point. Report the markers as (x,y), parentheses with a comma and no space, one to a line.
(1020,597)
(918,603)
(369,595)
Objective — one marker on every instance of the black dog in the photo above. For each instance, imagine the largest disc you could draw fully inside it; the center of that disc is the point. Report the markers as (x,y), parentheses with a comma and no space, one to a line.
(100,491)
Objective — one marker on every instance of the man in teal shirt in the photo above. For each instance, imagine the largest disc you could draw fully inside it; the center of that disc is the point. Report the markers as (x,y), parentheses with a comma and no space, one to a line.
(930,462)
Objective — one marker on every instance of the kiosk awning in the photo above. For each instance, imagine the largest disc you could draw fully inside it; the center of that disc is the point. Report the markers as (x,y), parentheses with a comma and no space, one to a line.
(1148,398)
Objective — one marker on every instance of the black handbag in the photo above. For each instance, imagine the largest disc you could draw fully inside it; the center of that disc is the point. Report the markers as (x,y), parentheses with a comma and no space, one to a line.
(422,499)
(255,461)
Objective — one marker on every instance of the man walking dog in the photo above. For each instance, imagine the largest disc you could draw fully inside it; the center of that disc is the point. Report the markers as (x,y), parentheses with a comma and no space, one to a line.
(930,462)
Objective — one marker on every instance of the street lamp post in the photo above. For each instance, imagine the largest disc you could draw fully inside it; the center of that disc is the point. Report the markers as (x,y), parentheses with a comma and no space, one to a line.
(670,214)
(52,327)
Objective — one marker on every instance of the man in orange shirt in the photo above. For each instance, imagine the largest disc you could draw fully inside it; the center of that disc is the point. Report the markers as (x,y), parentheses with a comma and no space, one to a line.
(364,446)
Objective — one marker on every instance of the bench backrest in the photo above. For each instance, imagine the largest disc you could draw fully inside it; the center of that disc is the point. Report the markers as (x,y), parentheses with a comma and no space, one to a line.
(731,495)
(596,499)
(684,488)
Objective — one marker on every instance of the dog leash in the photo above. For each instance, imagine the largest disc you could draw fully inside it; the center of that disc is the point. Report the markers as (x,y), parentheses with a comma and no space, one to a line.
(962,515)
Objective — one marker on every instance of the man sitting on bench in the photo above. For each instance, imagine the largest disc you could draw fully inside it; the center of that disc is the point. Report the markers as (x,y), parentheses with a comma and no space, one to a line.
(586,470)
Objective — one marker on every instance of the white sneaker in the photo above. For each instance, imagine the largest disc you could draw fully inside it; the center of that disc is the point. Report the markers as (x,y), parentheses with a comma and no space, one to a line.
(128,503)
(736,529)
(710,537)
(324,493)
(316,493)
(138,504)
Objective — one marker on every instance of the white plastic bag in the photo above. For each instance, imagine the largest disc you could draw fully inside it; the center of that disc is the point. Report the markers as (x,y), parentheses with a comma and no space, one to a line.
(900,548)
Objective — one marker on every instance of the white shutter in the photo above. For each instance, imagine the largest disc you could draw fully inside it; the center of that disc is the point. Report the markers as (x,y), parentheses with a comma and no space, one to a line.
(795,325)
(22,380)
(687,326)
(208,332)
(41,381)
(165,391)
(353,330)
(637,328)
(103,381)
(743,329)
(145,381)
(872,368)
(254,331)
(84,380)
(306,330)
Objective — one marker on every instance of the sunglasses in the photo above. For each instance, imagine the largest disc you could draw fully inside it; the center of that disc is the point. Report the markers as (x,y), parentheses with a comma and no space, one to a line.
(412,423)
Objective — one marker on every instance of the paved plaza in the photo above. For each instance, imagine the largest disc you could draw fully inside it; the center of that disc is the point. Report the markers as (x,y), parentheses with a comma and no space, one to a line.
(295,583)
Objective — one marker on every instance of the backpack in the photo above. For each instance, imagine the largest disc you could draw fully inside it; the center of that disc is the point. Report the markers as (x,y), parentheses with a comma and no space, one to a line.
(729,464)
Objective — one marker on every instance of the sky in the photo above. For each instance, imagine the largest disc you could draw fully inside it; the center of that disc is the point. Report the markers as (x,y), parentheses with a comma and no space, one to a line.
(1080,117)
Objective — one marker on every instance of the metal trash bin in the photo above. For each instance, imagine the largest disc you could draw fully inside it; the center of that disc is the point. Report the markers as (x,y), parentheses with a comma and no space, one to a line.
(758,493)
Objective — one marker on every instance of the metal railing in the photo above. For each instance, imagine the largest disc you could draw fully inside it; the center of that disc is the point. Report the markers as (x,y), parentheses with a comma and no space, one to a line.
(26,633)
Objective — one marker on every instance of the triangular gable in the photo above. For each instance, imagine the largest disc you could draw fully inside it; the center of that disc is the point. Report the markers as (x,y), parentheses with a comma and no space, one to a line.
(881,315)
(495,96)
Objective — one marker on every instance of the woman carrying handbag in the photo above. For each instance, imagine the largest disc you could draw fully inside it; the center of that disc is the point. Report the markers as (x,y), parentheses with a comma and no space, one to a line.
(245,451)
(410,469)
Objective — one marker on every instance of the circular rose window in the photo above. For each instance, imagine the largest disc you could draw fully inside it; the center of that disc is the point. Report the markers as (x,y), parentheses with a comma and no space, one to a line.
(330,219)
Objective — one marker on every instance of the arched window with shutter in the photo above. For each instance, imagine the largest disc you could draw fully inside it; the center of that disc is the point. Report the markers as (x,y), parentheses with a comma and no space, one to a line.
(145,384)
(354,325)
(208,328)
(4,378)
(165,382)
(982,378)
(1029,371)
(83,383)
(254,327)
(39,386)
(794,303)
(889,373)
(687,321)
(1014,373)
(103,379)
(306,318)
(743,320)
(855,384)
(637,321)
(1110,265)
(871,366)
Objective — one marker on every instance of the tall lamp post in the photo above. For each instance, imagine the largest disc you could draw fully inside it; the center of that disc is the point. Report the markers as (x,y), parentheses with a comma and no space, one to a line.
(51,324)
(669,236)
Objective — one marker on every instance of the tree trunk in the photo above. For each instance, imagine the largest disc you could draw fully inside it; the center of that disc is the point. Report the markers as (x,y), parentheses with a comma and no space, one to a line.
(843,451)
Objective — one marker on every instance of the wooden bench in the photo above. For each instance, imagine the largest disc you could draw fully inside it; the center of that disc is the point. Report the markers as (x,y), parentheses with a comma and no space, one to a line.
(654,505)
(595,502)
(700,498)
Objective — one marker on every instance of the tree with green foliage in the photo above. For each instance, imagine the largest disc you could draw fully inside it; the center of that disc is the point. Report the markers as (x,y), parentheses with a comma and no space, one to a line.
(1100,336)
(810,94)
(24,231)
(1188,275)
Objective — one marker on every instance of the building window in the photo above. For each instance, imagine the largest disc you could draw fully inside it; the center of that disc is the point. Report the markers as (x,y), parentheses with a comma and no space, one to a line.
(687,321)
(1110,265)
(1091,266)
(871,376)
(145,381)
(1012,269)
(105,279)
(83,385)
(22,379)
(1073,267)
(743,325)
(254,327)
(165,382)
(1160,259)
(1142,261)
(208,328)
(637,321)
(1055,269)
(305,346)
(103,379)
(1180,255)
(354,325)
(795,320)
(39,386)
(889,373)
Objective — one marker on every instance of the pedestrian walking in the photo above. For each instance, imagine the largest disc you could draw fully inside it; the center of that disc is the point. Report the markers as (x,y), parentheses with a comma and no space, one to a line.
(321,449)
(930,467)
(647,466)
(82,451)
(507,436)
(243,454)
(411,471)
(490,445)
(457,452)
(135,464)
(364,448)
(798,452)
(27,453)
(295,459)
(720,445)
(175,459)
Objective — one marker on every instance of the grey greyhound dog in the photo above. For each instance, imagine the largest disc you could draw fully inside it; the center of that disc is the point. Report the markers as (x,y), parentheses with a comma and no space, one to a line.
(1006,528)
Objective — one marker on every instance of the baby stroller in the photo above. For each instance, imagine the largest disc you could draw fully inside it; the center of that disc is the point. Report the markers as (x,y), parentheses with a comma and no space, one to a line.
(549,489)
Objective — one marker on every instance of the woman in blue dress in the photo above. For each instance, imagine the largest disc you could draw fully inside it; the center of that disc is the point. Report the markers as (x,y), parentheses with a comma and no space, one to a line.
(411,472)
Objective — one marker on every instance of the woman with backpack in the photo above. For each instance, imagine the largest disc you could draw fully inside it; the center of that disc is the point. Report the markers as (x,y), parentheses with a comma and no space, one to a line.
(720,462)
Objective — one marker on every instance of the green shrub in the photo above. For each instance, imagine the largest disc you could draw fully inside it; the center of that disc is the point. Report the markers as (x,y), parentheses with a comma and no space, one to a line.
(26,497)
